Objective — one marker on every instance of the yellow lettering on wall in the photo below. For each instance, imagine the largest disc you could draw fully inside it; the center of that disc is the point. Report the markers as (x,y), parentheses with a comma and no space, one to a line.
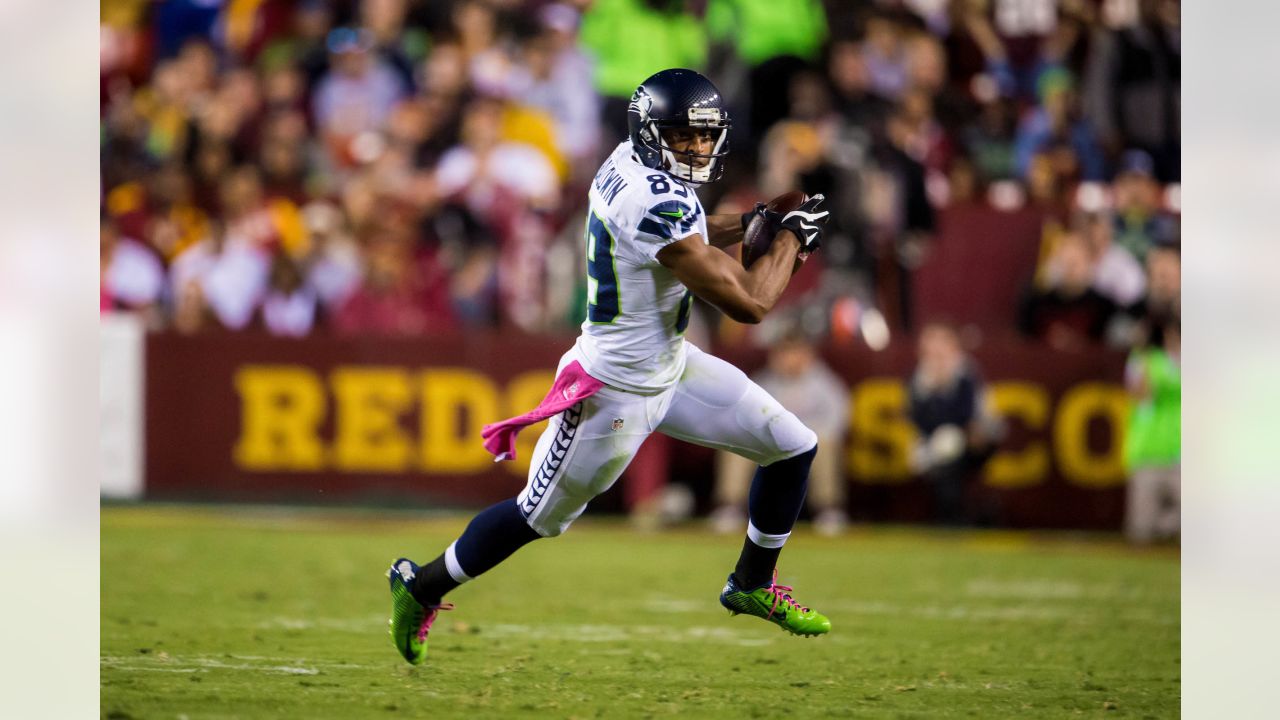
(455,405)
(1078,463)
(368,436)
(1030,465)
(281,407)
(881,435)
(523,394)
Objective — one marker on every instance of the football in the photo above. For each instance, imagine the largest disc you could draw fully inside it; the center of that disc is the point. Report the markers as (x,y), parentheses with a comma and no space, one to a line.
(759,235)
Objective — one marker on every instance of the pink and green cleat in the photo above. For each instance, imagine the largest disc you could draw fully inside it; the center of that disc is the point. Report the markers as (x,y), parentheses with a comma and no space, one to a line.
(410,622)
(773,602)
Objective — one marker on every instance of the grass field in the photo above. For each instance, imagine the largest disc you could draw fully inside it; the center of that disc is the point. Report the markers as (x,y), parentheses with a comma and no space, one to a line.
(251,613)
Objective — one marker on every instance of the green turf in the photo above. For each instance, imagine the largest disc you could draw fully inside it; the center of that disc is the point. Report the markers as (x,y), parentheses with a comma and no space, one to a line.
(258,614)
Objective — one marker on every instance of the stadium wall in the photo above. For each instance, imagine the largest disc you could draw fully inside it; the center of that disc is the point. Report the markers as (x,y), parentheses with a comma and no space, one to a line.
(324,420)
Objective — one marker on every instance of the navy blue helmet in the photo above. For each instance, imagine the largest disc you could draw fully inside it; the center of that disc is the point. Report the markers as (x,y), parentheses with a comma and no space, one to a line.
(678,98)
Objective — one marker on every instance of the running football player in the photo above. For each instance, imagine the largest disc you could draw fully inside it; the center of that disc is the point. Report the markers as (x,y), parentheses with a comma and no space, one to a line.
(650,248)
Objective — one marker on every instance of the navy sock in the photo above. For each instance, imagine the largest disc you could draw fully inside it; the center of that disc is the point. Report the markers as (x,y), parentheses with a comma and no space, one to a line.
(491,537)
(777,494)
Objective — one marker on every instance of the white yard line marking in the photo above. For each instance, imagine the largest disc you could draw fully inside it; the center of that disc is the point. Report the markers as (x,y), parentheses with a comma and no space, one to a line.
(1029,613)
(1054,589)
(622,633)
(180,664)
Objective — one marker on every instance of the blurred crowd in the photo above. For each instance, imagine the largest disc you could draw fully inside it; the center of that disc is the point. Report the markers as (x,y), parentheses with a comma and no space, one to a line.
(409,166)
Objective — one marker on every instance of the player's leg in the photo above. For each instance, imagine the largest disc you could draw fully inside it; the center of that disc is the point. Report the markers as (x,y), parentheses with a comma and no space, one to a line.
(612,427)
(1142,509)
(718,406)
(580,455)
(498,531)
(1171,509)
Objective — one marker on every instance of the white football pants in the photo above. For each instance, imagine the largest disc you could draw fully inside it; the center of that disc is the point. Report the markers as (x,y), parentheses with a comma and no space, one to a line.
(585,448)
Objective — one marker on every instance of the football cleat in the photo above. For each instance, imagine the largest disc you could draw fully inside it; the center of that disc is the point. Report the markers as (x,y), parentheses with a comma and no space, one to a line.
(774,603)
(410,622)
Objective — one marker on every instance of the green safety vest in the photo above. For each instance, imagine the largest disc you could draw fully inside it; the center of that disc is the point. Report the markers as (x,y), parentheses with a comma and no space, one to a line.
(630,42)
(1155,425)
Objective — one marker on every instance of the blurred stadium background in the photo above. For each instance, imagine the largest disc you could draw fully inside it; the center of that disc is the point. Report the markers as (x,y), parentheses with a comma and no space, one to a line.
(338,237)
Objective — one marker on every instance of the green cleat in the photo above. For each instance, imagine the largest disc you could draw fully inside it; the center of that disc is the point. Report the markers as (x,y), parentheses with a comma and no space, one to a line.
(410,621)
(773,603)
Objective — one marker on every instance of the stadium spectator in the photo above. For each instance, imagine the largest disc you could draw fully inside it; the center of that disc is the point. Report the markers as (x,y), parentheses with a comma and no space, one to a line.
(485,170)
(555,77)
(403,293)
(268,224)
(771,41)
(1153,445)
(1066,312)
(631,40)
(132,278)
(798,378)
(334,263)
(398,46)
(851,84)
(976,53)
(230,273)
(289,307)
(1163,299)
(884,49)
(1056,121)
(1133,76)
(990,140)
(957,434)
(1117,276)
(282,156)
(355,96)
(1140,221)
(901,218)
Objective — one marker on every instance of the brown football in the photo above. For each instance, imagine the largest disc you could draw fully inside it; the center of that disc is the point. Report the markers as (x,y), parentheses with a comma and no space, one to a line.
(759,236)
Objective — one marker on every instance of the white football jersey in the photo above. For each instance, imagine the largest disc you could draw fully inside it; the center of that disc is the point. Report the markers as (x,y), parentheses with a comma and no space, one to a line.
(637,311)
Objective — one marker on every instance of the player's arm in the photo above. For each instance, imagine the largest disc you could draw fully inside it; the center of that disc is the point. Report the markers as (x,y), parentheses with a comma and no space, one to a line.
(725,230)
(742,294)
(729,229)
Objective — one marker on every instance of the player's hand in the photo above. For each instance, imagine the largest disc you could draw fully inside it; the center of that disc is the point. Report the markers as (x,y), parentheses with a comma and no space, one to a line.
(774,219)
(806,222)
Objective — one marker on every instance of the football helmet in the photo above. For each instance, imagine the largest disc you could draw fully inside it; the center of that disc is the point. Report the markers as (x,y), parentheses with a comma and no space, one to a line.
(678,98)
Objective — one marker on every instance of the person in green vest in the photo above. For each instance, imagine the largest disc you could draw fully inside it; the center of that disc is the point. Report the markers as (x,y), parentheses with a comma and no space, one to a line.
(764,29)
(631,40)
(770,42)
(1153,444)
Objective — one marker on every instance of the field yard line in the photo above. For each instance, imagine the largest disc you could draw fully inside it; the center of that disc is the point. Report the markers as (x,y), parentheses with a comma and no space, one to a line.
(620,633)
(1051,589)
(353,625)
(202,664)
(965,612)
(570,632)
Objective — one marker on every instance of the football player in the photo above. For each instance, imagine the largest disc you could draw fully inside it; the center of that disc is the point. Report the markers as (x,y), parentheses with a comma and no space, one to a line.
(650,248)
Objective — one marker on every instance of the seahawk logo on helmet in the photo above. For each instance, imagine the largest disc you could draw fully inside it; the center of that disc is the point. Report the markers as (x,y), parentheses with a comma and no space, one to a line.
(678,98)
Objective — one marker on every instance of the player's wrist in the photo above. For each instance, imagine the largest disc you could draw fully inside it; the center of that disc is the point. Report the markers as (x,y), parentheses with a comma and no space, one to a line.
(790,240)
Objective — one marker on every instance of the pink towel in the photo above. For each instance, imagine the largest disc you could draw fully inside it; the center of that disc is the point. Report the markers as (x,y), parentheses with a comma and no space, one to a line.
(571,385)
